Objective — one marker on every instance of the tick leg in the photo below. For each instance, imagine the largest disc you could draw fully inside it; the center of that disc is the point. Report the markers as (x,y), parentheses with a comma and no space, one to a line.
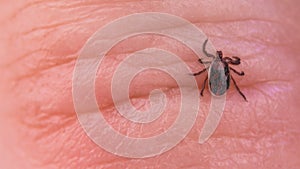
(203,62)
(203,86)
(238,89)
(198,73)
(204,50)
(228,60)
(239,73)
(236,58)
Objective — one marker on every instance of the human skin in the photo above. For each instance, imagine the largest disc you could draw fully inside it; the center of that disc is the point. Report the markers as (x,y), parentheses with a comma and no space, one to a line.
(40,42)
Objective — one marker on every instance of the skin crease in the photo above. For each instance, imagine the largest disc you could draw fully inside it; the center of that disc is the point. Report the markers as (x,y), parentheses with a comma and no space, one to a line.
(39,44)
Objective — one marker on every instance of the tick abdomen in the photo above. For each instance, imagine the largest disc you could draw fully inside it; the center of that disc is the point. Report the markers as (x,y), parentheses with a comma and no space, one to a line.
(218,77)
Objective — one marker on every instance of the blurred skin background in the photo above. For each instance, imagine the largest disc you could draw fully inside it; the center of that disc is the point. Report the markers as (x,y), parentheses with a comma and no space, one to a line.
(39,44)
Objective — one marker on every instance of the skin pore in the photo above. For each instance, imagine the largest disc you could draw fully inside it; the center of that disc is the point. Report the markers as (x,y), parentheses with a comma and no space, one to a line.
(40,42)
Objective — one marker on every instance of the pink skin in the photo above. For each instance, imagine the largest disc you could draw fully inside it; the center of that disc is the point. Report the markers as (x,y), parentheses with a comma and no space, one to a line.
(40,42)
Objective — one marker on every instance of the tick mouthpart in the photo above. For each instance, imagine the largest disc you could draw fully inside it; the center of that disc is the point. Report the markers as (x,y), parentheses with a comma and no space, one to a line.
(220,54)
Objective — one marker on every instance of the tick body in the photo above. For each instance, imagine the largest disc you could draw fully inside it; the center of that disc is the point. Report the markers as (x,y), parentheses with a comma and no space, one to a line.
(219,76)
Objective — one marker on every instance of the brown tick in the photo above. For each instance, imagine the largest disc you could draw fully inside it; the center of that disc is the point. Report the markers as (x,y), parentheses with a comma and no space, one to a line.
(219,73)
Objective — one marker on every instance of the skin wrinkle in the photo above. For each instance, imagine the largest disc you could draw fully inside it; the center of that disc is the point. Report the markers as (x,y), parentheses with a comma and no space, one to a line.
(82,18)
(54,25)
(242,32)
(108,4)
(82,144)
(55,62)
(36,74)
(28,54)
(54,65)
(79,17)
(19,10)
(33,4)
(144,96)
(71,59)
(125,127)
(73,56)
(45,123)
(230,10)
(68,144)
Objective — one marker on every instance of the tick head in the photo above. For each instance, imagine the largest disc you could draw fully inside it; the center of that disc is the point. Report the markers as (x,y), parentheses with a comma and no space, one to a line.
(220,54)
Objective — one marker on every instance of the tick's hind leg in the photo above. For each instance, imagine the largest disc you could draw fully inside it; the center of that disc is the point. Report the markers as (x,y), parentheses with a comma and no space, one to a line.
(203,85)
(198,73)
(238,89)
(238,73)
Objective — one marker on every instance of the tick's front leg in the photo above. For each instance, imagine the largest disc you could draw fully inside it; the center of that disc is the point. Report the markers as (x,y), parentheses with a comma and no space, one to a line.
(236,60)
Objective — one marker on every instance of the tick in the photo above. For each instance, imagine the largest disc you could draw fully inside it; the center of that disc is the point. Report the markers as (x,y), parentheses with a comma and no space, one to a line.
(219,73)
